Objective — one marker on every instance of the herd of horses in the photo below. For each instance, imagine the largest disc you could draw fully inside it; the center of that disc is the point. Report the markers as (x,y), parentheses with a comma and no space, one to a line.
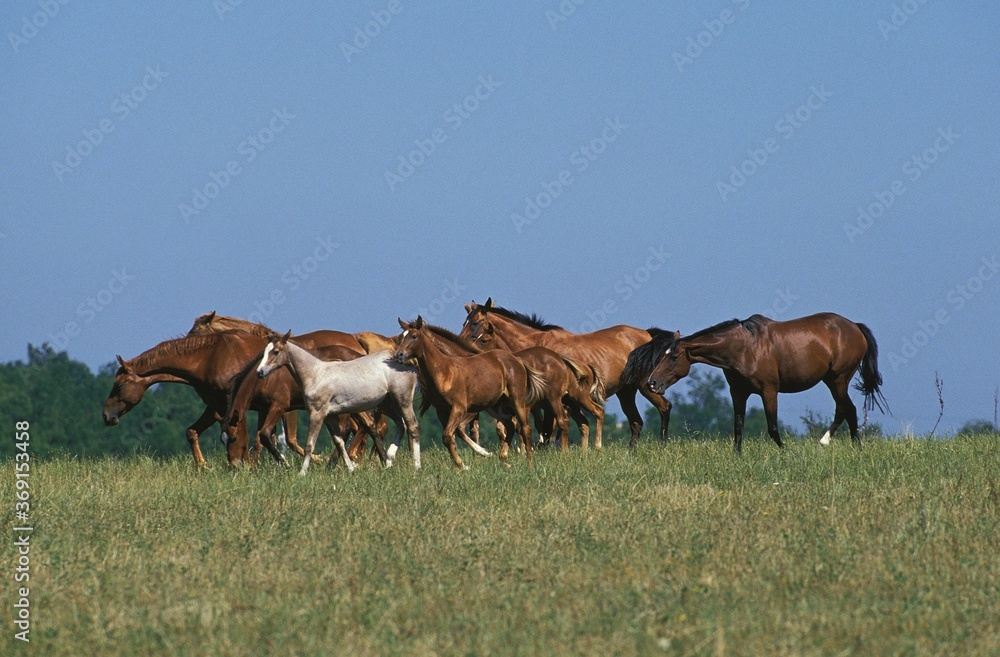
(513,366)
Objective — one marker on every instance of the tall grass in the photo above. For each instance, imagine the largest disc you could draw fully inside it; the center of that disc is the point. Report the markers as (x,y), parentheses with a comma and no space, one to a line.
(676,549)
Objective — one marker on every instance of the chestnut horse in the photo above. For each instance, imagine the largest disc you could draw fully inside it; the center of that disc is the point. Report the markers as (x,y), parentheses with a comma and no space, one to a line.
(569,387)
(332,388)
(459,387)
(208,363)
(760,356)
(606,351)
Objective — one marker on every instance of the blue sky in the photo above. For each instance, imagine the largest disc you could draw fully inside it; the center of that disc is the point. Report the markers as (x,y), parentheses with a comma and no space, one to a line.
(648,164)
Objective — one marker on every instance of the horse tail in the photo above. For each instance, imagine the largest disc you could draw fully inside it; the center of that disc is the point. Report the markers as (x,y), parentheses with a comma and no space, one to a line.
(536,386)
(643,358)
(598,391)
(871,378)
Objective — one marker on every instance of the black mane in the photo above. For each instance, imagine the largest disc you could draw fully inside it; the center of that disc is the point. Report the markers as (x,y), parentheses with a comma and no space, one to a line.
(751,325)
(533,320)
(644,358)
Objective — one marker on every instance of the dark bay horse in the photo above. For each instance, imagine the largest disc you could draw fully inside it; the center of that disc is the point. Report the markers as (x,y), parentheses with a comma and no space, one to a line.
(606,350)
(462,386)
(760,356)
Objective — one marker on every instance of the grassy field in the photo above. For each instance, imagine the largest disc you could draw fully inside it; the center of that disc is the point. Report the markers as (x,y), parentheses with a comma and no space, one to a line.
(679,549)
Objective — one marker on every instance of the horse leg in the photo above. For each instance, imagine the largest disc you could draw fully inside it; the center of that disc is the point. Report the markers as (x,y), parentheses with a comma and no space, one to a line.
(543,422)
(474,429)
(207,419)
(473,445)
(448,436)
(524,428)
(770,399)
(739,414)
(627,398)
(316,420)
(663,405)
(338,432)
(412,429)
(291,420)
(845,411)
(266,433)
(581,422)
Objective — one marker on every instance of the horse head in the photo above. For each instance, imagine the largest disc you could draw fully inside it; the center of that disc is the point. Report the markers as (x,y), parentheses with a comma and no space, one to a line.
(126,391)
(275,354)
(673,366)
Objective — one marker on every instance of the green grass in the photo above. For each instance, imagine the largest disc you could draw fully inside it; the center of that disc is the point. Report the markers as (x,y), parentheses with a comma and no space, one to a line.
(679,549)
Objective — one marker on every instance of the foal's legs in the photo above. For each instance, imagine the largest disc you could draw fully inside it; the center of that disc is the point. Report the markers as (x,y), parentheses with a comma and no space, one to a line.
(581,422)
(454,419)
(337,431)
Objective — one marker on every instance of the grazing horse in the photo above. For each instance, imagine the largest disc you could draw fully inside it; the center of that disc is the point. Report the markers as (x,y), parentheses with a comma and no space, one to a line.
(354,386)
(569,387)
(281,394)
(460,387)
(208,363)
(606,351)
(760,356)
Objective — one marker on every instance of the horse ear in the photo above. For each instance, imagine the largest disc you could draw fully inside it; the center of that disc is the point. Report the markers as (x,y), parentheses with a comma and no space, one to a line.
(489,303)
(677,335)
(123,363)
(419,323)
(402,324)
(285,337)
(468,308)
(210,316)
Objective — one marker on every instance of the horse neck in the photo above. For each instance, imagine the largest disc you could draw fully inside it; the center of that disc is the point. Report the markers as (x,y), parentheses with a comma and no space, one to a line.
(514,336)
(159,367)
(434,363)
(460,345)
(301,363)
(720,350)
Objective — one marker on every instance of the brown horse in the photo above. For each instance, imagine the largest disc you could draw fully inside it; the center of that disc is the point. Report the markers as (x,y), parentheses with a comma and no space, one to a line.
(606,351)
(569,387)
(208,363)
(459,387)
(760,356)
(281,394)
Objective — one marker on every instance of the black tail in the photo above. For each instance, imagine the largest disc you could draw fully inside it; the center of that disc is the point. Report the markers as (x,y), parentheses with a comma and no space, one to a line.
(643,358)
(871,379)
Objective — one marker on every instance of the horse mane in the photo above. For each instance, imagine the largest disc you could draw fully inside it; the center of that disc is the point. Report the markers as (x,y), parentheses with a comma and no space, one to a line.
(532,320)
(222,323)
(644,358)
(752,325)
(445,334)
(176,347)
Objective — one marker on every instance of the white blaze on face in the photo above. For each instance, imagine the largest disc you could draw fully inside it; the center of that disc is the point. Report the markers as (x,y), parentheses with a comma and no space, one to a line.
(262,368)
